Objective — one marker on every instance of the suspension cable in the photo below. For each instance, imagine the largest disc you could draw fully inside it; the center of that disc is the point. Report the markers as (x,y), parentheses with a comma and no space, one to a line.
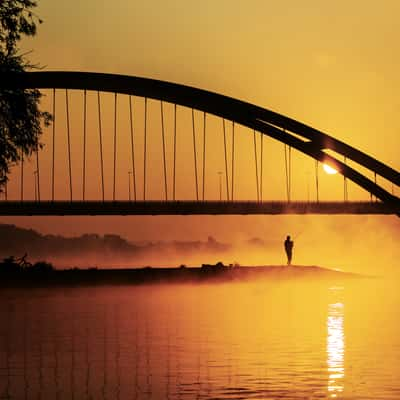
(233,157)
(286,172)
(145,149)
(345,194)
(22,175)
(288,162)
(261,166)
(290,173)
(115,143)
(317,179)
(101,145)
(163,145)
(376,199)
(204,151)
(256,162)
(69,144)
(226,160)
(195,157)
(84,146)
(54,144)
(37,172)
(132,147)
(174,173)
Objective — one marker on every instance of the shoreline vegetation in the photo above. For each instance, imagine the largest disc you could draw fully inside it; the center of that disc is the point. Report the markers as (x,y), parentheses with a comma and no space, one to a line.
(17,272)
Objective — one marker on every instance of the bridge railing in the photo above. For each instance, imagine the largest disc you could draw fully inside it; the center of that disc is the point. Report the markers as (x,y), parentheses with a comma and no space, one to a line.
(151,207)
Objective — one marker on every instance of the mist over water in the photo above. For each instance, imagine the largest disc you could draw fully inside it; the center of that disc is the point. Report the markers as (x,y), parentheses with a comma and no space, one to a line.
(348,243)
(272,339)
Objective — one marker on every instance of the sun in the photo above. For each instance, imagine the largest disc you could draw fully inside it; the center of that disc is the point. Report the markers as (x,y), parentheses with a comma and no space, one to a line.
(329,170)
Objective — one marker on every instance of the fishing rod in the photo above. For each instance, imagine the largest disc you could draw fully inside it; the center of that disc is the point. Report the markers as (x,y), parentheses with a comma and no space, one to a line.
(297,235)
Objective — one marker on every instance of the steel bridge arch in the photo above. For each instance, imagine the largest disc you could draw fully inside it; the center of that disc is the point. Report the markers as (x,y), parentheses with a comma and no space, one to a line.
(306,139)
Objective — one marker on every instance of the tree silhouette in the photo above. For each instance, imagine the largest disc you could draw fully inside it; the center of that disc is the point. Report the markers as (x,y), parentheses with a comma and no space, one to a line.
(21,120)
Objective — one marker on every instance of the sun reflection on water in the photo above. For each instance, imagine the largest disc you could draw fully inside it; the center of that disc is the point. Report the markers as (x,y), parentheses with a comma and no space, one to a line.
(335,349)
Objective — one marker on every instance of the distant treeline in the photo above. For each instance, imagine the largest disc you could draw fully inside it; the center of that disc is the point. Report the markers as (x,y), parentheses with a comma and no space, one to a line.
(15,240)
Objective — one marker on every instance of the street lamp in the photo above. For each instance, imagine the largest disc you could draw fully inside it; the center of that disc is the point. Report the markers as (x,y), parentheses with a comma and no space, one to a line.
(308,173)
(36,184)
(220,185)
(129,184)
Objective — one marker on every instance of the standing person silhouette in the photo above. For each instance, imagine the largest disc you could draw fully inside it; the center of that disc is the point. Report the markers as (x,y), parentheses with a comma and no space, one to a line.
(289,249)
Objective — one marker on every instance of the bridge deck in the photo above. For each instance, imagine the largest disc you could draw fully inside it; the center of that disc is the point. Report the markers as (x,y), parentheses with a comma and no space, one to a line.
(25,208)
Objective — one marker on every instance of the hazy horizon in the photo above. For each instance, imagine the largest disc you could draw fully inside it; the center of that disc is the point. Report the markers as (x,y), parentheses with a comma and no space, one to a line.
(345,242)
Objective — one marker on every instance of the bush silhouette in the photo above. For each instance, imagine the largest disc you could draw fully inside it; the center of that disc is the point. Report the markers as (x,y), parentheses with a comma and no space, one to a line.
(42,266)
(12,265)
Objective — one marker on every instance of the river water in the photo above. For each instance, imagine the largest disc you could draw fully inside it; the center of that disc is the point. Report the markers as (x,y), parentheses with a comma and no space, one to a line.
(265,340)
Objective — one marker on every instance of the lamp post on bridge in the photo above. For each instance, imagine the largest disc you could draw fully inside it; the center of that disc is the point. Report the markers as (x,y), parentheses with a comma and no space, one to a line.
(220,185)
(308,185)
(129,185)
(35,174)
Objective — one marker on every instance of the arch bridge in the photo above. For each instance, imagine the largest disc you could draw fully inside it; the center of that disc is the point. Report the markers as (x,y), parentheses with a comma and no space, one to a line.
(63,181)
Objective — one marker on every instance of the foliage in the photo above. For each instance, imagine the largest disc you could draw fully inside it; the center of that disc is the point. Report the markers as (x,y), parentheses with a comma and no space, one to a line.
(21,120)
(42,266)
(16,20)
(12,265)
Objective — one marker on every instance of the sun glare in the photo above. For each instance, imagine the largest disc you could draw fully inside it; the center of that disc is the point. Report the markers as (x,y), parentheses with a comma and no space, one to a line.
(329,170)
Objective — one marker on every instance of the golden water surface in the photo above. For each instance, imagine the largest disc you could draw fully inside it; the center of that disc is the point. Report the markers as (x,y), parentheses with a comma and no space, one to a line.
(264,340)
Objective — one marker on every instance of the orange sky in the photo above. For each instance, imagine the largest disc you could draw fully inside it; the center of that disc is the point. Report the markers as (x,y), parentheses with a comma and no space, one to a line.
(331,65)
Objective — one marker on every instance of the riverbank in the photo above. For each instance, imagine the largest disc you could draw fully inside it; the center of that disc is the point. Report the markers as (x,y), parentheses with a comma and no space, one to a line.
(150,275)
